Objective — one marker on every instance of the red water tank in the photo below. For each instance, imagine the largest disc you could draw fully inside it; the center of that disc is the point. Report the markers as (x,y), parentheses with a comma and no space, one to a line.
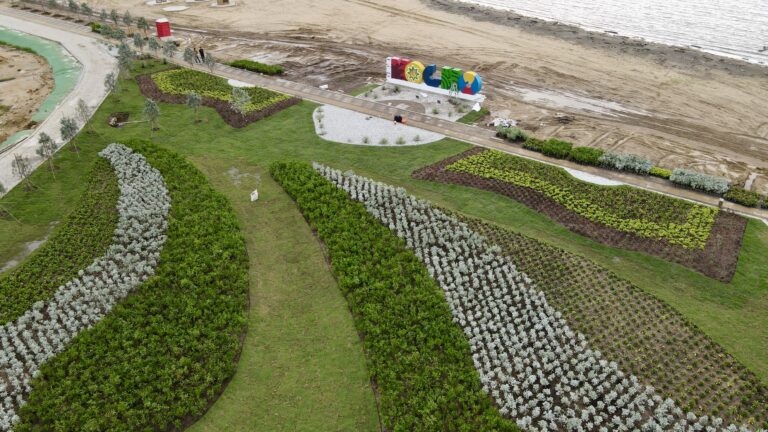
(163,27)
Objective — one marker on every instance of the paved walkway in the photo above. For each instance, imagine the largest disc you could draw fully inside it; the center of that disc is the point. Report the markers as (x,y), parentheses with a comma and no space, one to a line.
(96,61)
(472,134)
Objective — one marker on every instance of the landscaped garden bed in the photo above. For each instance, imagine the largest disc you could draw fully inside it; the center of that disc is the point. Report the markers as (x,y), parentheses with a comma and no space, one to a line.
(679,231)
(160,357)
(172,86)
(539,371)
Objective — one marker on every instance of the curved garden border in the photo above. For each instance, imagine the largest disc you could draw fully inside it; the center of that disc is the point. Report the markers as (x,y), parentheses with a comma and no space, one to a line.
(717,260)
(233,118)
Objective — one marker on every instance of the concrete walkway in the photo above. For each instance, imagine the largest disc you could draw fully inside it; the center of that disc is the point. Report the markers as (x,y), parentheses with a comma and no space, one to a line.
(96,63)
(472,134)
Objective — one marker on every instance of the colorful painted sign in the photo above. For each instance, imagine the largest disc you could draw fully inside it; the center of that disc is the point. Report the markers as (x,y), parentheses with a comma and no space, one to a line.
(451,79)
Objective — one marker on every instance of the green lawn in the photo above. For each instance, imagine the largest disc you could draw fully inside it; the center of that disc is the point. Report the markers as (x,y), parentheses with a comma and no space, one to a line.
(302,368)
(473,116)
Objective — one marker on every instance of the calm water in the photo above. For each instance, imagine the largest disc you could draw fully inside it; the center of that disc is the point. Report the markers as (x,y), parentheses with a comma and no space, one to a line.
(733,28)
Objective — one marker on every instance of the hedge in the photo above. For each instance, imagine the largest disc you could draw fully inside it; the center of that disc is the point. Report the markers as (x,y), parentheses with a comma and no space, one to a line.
(556,148)
(661,172)
(586,155)
(696,180)
(255,66)
(511,133)
(83,236)
(743,197)
(164,353)
(626,162)
(534,144)
(418,357)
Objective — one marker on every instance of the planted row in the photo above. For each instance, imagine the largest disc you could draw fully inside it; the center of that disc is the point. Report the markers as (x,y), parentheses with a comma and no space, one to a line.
(538,370)
(624,208)
(47,328)
(259,67)
(163,353)
(419,360)
(82,237)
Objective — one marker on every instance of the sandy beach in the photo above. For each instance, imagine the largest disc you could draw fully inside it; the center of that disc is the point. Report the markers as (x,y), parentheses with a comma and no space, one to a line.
(25,81)
(680,107)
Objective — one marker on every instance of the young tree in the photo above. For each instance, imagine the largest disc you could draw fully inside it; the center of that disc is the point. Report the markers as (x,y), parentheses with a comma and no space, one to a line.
(46,148)
(68,129)
(153,44)
(127,19)
(152,114)
(138,41)
(103,17)
(189,55)
(240,100)
(124,58)
(86,10)
(22,169)
(83,112)
(114,16)
(169,49)
(194,101)
(73,6)
(118,33)
(110,82)
(142,24)
(52,4)
(210,62)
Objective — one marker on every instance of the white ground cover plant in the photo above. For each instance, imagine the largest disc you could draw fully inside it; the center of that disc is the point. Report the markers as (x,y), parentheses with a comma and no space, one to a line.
(541,373)
(45,329)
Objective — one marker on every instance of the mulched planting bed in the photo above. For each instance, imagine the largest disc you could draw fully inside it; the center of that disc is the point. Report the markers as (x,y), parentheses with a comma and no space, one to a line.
(647,337)
(149,89)
(717,260)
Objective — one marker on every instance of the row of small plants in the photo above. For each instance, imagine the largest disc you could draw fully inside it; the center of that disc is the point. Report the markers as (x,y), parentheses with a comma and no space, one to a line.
(84,235)
(259,67)
(624,208)
(540,372)
(48,327)
(158,359)
(184,81)
(645,336)
(418,358)
(636,164)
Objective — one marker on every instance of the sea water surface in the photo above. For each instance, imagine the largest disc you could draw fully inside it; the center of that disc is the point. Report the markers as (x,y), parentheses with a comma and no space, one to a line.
(732,28)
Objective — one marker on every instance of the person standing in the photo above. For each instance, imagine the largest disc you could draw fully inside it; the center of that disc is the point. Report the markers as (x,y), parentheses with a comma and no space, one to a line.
(202,55)
(197,55)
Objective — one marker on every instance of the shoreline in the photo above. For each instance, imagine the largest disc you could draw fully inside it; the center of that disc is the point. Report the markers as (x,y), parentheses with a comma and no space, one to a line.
(678,57)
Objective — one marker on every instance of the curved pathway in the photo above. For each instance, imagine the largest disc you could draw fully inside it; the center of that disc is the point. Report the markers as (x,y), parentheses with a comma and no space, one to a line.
(96,63)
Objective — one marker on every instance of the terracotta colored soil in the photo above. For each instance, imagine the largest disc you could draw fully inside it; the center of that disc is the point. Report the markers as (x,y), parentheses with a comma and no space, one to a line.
(717,260)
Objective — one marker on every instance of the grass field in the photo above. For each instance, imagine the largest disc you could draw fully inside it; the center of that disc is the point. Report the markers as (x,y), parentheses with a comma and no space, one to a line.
(302,368)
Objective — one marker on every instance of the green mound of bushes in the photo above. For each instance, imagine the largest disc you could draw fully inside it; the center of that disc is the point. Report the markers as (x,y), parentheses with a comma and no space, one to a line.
(556,148)
(586,155)
(160,356)
(418,357)
(660,172)
(743,197)
(259,67)
(82,237)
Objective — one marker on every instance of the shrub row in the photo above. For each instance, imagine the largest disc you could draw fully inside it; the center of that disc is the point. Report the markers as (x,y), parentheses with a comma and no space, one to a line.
(159,358)
(744,197)
(700,181)
(624,208)
(419,359)
(661,172)
(84,235)
(511,133)
(586,155)
(255,66)
(626,162)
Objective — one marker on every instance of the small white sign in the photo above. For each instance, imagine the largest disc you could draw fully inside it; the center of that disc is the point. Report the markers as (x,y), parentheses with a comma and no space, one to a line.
(254,195)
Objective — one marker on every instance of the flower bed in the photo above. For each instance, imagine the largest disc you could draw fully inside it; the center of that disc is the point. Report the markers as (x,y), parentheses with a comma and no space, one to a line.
(418,359)
(170,87)
(47,328)
(616,216)
(539,371)
(166,351)
(83,236)
(644,335)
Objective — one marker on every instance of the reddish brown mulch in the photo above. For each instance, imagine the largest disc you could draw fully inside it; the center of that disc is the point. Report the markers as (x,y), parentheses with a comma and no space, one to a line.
(718,259)
(233,118)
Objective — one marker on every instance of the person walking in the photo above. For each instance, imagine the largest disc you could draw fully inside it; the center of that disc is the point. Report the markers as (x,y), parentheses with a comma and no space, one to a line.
(197,55)
(202,55)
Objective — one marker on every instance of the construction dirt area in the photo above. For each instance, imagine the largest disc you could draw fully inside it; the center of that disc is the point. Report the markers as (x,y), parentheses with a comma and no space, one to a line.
(25,81)
(679,107)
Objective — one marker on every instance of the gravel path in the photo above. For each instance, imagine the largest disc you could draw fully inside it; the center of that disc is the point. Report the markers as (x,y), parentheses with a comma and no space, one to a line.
(97,63)
(350,127)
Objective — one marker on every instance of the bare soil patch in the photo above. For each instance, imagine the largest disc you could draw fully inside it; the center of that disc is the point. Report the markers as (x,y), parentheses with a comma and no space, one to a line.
(717,260)
(25,81)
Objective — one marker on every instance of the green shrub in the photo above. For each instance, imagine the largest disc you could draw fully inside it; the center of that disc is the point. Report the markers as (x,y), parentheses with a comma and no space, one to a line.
(624,208)
(626,162)
(743,197)
(534,144)
(165,352)
(255,66)
(586,155)
(661,172)
(419,359)
(557,148)
(95,27)
(514,134)
(84,236)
